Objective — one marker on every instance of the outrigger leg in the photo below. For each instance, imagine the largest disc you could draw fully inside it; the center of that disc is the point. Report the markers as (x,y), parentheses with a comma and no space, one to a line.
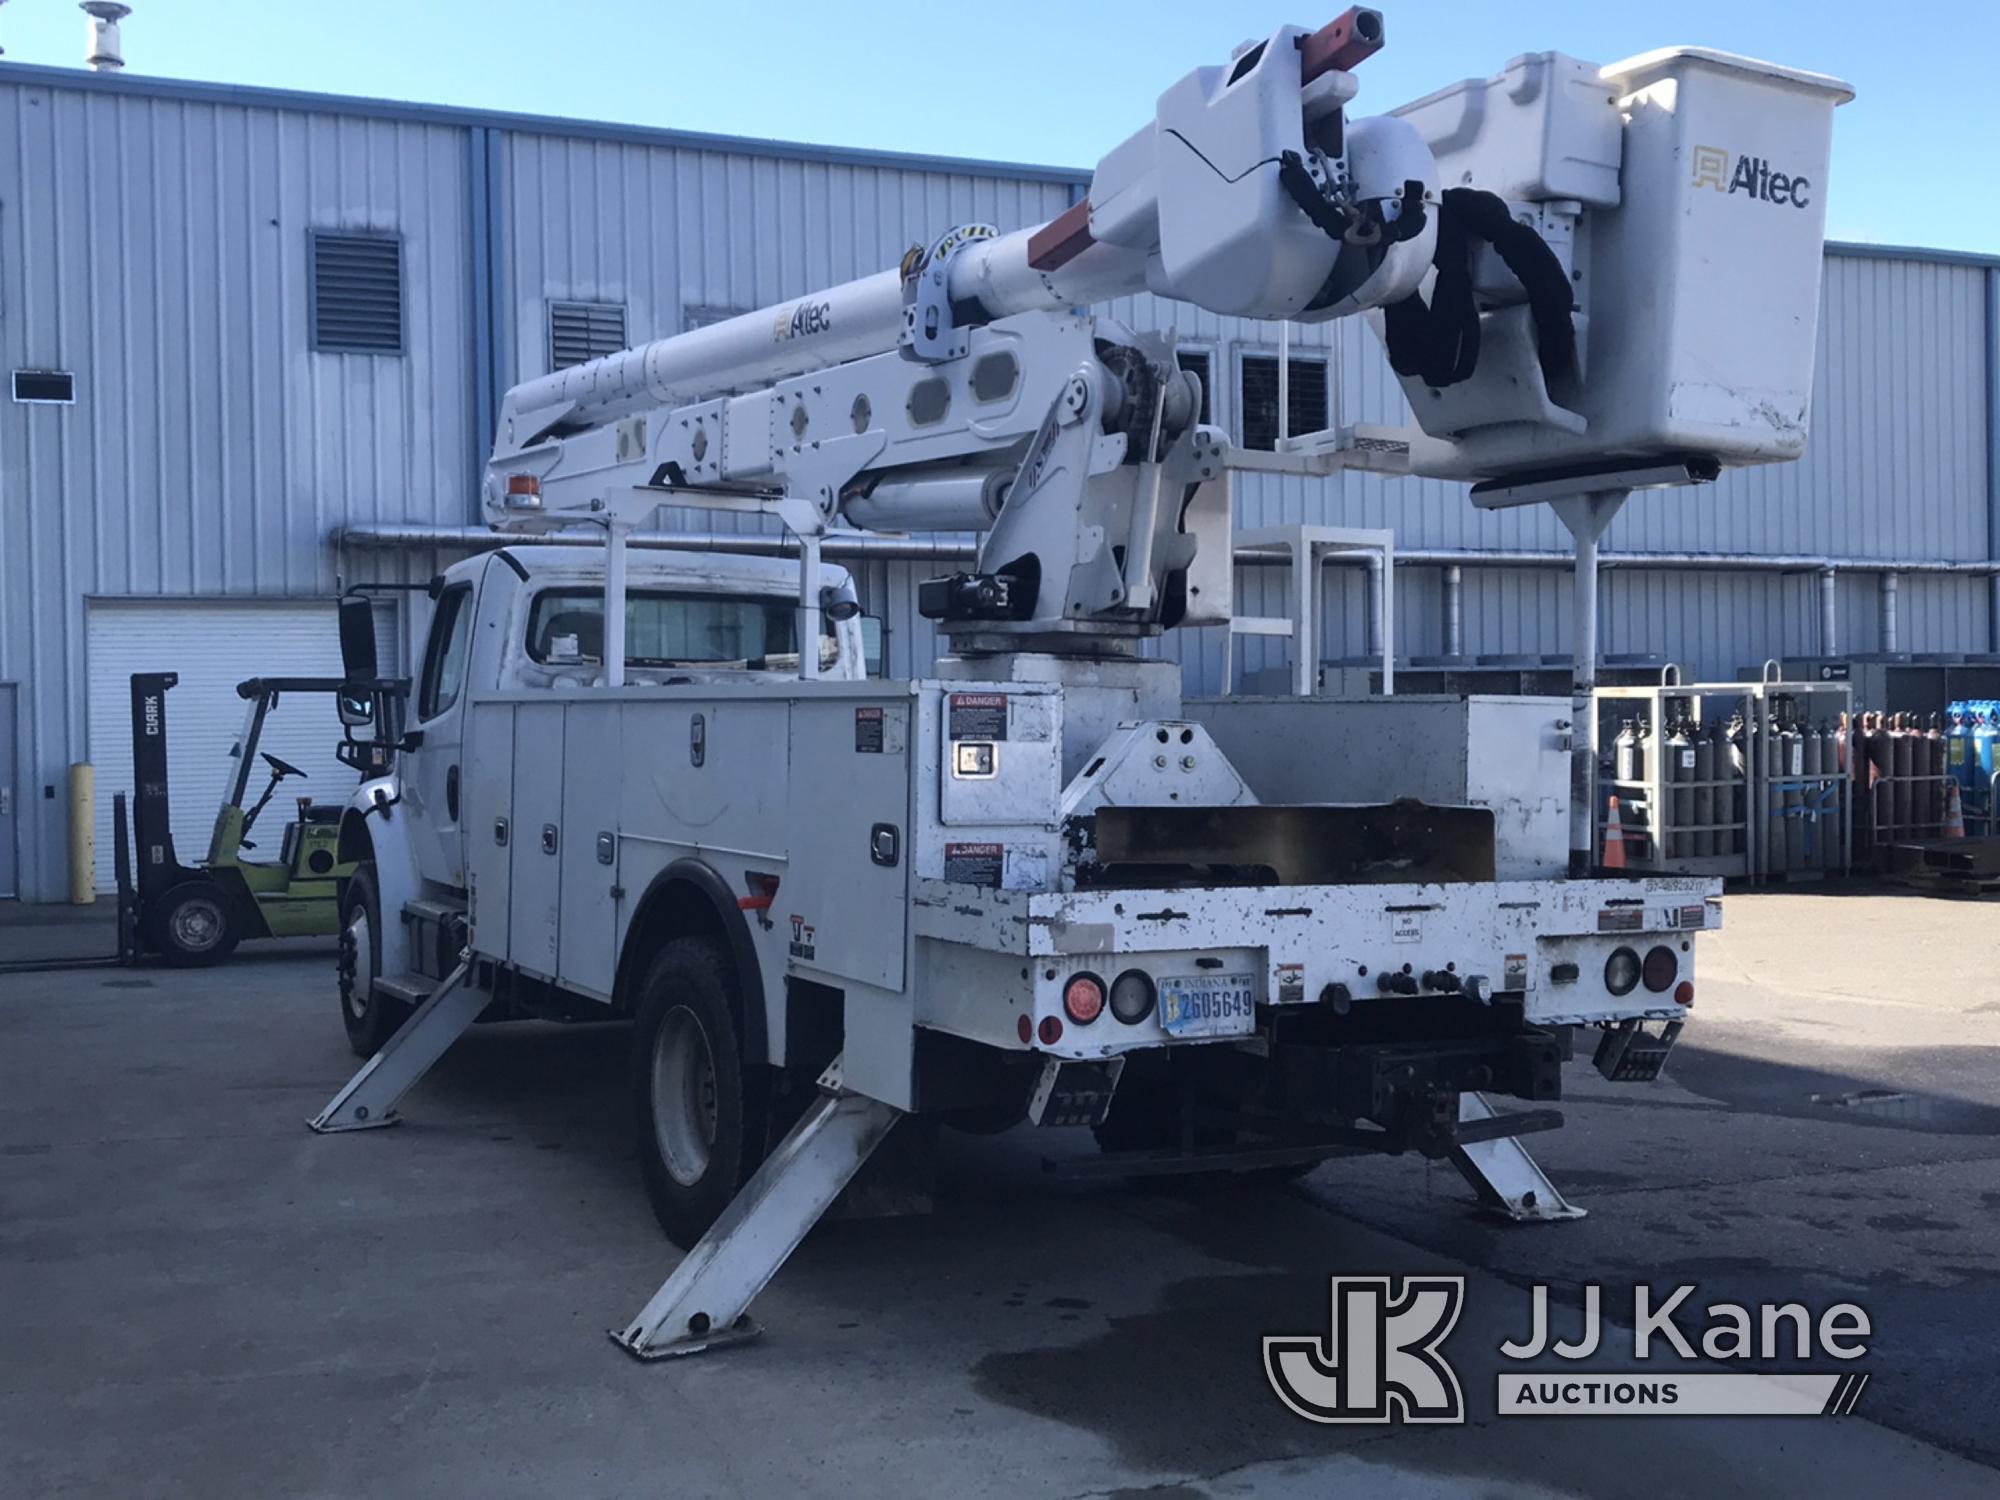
(704,1303)
(370,1096)
(1504,1175)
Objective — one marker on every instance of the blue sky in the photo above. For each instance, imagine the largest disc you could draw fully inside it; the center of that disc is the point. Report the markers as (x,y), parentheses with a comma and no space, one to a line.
(1061,83)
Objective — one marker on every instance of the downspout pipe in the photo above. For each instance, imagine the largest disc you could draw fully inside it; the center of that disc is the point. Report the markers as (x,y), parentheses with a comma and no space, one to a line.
(1829,612)
(1454,609)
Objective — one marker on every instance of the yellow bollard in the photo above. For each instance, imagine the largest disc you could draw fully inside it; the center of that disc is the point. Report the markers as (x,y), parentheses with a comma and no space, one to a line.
(82,834)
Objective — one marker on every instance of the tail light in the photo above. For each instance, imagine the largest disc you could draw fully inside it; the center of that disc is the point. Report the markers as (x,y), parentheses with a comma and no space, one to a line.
(1083,998)
(1663,967)
(1684,993)
(1050,1030)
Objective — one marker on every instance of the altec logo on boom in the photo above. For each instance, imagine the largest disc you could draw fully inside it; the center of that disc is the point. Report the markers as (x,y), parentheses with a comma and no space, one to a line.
(1749,174)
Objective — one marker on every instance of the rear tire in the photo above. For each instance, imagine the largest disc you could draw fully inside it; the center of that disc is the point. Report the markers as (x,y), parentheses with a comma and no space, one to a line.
(369,1017)
(701,1114)
(190,928)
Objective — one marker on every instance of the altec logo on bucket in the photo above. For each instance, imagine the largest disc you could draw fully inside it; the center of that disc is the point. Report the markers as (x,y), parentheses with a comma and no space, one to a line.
(1716,168)
(1382,1359)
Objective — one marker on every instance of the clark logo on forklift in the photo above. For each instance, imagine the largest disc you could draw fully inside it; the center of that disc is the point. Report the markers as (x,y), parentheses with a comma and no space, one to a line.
(1750,174)
(807,318)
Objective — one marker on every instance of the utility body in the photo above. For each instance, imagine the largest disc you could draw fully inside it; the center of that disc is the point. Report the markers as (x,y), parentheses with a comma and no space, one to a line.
(1034,883)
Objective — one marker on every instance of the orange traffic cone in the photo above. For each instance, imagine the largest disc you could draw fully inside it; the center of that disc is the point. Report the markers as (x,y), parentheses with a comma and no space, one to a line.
(1954,813)
(1614,838)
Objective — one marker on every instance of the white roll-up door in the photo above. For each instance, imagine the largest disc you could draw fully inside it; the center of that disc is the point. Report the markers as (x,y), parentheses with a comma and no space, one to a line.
(214,644)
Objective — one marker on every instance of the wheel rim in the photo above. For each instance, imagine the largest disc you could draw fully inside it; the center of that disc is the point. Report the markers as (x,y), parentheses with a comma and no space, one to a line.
(684,1096)
(361,971)
(196,925)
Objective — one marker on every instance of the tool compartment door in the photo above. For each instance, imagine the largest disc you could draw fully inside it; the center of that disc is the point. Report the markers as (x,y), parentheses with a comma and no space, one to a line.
(843,906)
(535,902)
(489,823)
(592,735)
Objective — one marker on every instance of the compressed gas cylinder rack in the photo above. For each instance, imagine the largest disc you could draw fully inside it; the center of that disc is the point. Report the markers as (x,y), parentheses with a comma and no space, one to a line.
(1746,780)
(1903,773)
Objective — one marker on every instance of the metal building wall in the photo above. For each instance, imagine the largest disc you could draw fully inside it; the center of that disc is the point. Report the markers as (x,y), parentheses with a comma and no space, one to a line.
(157,248)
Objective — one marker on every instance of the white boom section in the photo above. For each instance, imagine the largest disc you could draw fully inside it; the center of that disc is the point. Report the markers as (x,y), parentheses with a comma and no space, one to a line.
(1190,207)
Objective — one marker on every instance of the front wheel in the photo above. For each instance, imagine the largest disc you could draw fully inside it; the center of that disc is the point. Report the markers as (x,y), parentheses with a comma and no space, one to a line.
(191,926)
(369,1017)
(701,1113)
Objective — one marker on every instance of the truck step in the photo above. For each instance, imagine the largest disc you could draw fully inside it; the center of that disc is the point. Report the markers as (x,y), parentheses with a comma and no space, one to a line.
(411,989)
(427,910)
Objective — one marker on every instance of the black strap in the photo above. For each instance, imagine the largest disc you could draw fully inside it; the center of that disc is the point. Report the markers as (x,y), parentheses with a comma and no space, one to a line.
(1439,343)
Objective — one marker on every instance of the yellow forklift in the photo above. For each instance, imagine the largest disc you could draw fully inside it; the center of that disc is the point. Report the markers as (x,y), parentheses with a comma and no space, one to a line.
(190,915)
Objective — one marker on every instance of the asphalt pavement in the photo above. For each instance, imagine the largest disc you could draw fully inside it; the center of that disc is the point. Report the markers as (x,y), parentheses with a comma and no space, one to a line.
(197,1296)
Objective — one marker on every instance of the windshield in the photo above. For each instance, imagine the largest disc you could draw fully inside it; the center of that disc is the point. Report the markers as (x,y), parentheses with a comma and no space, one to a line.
(663,629)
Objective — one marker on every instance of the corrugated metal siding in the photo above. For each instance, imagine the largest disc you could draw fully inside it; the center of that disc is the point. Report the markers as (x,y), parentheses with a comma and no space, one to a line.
(158,248)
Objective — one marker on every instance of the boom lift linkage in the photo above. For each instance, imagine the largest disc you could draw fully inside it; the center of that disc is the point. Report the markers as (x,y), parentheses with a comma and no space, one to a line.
(964,391)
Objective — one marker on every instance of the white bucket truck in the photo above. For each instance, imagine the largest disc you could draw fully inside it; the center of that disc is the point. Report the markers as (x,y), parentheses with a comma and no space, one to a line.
(1033,883)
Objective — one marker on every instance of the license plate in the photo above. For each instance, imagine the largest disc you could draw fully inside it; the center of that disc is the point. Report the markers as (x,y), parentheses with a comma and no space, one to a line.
(1209,1005)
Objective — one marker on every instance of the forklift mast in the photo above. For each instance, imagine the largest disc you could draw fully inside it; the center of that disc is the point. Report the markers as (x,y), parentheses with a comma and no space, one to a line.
(158,869)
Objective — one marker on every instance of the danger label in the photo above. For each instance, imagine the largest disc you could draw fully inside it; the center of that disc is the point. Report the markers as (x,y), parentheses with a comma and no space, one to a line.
(975,864)
(978,716)
(868,731)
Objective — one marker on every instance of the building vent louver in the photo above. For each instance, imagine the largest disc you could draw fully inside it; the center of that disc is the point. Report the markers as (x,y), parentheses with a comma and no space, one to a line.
(357,293)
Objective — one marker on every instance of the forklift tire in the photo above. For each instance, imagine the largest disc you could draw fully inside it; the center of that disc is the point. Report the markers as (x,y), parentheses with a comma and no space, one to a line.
(369,1017)
(190,928)
(700,1114)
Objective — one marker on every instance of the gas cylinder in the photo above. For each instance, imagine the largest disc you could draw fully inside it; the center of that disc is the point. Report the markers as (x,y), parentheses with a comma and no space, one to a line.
(1792,753)
(1676,770)
(1739,784)
(1957,745)
(1902,766)
(1812,765)
(1775,762)
(1875,760)
(1625,752)
(1704,843)
(1934,773)
(1984,730)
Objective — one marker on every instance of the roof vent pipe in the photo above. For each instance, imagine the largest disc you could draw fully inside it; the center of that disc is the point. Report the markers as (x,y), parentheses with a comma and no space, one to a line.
(102,48)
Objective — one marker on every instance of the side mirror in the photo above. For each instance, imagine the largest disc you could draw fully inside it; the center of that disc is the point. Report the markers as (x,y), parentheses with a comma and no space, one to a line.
(356,706)
(357,640)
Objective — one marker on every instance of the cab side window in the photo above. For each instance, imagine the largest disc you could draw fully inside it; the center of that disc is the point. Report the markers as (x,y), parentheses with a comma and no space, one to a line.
(444,656)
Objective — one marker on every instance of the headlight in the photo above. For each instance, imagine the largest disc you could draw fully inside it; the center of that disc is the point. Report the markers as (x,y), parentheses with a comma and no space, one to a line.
(1132,996)
(1083,998)
(1663,967)
(1621,971)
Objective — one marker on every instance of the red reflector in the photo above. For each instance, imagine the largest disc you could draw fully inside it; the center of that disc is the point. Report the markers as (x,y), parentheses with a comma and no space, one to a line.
(1083,998)
(1051,1030)
(1024,1027)
(1684,992)
(763,891)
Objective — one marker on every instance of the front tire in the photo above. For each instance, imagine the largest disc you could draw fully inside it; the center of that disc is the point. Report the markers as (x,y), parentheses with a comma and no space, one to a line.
(701,1114)
(191,928)
(369,1017)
